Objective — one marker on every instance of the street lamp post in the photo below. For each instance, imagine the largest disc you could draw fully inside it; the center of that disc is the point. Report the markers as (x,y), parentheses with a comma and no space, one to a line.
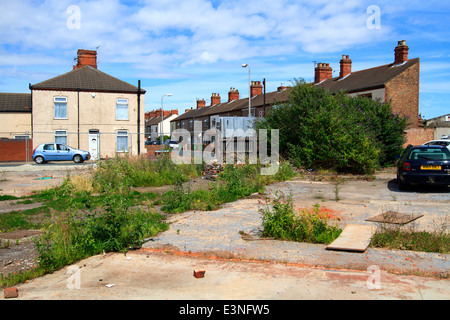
(162,119)
(245,65)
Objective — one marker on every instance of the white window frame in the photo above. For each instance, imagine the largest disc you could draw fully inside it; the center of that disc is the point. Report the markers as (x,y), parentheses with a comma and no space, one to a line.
(122,134)
(60,134)
(56,103)
(122,104)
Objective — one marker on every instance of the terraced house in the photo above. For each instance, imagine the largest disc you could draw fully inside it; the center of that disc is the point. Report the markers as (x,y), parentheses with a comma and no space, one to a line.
(396,82)
(90,110)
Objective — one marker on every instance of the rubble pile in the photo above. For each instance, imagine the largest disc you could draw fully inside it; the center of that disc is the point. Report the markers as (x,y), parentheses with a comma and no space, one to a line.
(211,171)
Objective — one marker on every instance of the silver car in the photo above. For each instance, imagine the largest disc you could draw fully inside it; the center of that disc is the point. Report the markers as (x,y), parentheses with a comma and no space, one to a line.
(440,142)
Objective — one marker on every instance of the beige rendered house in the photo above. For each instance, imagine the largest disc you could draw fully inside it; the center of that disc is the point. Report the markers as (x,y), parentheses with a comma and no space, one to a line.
(90,110)
(15,115)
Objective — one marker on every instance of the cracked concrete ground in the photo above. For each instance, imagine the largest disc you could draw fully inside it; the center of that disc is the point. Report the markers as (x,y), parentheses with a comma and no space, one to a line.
(241,265)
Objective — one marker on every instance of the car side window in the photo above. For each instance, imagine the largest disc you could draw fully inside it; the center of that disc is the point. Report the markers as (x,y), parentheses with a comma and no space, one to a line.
(49,147)
(61,147)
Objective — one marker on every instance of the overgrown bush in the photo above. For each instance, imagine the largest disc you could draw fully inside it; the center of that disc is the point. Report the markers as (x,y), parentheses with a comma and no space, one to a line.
(71,237)
(119,173)
(320,130)
(281,222)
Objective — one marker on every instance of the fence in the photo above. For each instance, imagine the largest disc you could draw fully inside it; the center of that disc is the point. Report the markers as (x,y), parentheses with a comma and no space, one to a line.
(99,144)
(15,150)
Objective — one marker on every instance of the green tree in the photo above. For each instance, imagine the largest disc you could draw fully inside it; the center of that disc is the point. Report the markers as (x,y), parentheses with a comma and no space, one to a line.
(319,129)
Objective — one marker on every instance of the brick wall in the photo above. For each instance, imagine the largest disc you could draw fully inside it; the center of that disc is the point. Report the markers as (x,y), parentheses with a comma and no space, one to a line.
(403,90)
(418,136)
(152,148)
(15,150)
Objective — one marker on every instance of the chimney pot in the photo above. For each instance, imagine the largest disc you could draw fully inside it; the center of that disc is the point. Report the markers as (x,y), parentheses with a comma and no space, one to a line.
(233,95)
(256,88)
(201,103)
(215,99)
(86,58)
(323,71)
(346,66)
(401,52)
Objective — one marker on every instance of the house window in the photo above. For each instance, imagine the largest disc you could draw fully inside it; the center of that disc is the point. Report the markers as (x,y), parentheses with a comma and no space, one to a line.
(61,136)
(122,141)
(122,109)
(60,107)
(21,137)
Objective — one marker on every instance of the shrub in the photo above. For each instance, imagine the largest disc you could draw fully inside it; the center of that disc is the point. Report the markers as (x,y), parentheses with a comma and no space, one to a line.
(71,238)
(322,130)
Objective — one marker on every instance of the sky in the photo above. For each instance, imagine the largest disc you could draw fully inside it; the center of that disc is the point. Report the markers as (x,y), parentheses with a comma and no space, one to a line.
(193,48)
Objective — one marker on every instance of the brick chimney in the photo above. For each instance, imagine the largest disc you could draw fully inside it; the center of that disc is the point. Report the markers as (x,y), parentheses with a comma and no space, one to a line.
(86,58)
(233,95)
(201,103)
(323,71)
(346,66)
(401,52)
(215,99)
(256,88)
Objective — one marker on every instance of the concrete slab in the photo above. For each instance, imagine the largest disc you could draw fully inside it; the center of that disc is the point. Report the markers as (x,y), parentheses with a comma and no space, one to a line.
(354,237)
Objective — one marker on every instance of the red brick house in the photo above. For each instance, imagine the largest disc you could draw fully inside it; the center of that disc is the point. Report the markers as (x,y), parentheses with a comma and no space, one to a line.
(397,83)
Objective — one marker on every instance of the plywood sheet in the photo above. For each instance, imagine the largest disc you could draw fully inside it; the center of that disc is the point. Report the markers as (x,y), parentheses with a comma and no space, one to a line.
(354,237)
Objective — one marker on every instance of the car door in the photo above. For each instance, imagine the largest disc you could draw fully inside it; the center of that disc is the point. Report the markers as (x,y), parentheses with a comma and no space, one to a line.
(49,152)
(63,152)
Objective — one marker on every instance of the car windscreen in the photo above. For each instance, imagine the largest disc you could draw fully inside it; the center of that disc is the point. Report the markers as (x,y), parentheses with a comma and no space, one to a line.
(429,154)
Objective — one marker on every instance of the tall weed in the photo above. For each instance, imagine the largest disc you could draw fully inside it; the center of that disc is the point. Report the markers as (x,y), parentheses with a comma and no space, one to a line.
(281,222)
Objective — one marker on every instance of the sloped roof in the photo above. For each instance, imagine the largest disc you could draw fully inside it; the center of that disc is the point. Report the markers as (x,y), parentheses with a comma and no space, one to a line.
(271,98)
(367,79)
(15,102)
(89,79)
(157,120)
(356,81)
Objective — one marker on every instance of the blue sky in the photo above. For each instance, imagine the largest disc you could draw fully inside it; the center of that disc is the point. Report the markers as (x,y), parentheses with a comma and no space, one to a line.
(193,48)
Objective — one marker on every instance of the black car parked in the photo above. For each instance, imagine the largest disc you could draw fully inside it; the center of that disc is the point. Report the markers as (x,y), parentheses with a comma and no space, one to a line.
(423,164)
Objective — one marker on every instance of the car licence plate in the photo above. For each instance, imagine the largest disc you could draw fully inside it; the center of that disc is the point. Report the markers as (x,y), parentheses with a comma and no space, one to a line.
(430,167)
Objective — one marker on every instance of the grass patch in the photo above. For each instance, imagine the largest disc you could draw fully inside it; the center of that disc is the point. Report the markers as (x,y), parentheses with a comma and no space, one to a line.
(233,183)
(6,197)
(281,222)
(395,237)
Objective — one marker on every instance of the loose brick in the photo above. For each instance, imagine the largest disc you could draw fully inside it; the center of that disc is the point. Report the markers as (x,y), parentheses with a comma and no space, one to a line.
(11,292)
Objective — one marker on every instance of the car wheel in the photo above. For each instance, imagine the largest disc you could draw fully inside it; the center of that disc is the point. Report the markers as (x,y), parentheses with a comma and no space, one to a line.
(77,158)
(39,160)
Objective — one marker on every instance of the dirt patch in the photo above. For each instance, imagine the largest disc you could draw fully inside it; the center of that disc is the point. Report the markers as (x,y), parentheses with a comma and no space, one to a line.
(17,256)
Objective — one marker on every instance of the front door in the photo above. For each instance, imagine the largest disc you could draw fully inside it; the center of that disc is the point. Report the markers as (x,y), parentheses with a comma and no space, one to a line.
(94,144)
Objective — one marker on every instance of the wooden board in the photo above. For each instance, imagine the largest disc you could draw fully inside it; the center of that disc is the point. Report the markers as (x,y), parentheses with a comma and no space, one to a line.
(354,237)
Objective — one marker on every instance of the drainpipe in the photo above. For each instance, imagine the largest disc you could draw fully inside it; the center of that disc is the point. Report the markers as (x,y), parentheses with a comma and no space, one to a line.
(139,118)
(264,108)
(31,106)
(78,117)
